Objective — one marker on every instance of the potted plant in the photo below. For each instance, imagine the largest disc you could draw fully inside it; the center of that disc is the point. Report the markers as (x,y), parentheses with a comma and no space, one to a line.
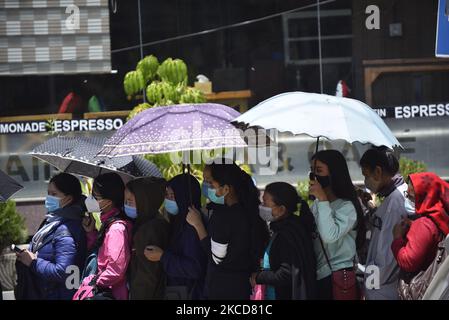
(12,231)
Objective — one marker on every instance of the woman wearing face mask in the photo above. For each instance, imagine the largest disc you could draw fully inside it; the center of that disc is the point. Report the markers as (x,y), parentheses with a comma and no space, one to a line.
(144,197)
(113,241)
(184,260)
(339,221)
(289,265)
(59,243)
(415,243)
(236,236)
(208,192)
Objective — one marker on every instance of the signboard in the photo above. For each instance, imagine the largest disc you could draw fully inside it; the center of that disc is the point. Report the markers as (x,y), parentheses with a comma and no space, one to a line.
(30,172)
(58,126)
(435,110)
(442,36)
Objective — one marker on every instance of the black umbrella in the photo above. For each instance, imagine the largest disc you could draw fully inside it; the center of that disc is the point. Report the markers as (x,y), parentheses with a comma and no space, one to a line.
(8,186)
(77,155)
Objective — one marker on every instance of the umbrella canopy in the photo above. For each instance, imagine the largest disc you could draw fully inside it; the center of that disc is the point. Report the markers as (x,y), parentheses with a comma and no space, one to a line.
(78,156)
(175,128)
(320,115)
(8,186)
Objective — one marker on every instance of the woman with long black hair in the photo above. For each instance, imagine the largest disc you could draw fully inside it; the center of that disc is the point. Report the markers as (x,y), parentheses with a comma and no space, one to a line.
(236,236)
(340,228)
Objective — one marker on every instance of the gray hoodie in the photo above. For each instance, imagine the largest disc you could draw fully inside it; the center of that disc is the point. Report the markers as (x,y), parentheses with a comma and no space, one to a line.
(380,256)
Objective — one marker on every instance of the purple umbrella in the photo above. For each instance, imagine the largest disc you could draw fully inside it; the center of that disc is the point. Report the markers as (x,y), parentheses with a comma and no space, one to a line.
(175,128)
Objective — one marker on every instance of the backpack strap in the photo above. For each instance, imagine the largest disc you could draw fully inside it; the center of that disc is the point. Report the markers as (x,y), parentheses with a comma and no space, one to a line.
(105,227)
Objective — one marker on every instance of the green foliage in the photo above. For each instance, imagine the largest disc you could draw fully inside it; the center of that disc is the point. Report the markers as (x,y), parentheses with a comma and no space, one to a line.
(409,166)
(303,191)
(164,84)
(134,82)
(170,169)
(12,225)
(173,71)
(148,66)
(137,109)
(191,95)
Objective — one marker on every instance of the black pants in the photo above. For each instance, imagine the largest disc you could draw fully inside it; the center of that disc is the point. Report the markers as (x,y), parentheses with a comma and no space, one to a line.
(325,289)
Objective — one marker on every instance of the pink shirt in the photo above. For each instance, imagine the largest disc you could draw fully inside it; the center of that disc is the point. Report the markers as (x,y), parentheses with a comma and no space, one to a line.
(113,256)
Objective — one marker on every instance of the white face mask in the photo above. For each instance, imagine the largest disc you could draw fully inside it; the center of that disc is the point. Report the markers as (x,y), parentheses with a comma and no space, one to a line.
(409,206)
(266,213)
(92,204)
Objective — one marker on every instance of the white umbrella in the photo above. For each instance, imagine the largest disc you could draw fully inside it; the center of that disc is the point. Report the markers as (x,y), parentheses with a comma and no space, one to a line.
(320,115)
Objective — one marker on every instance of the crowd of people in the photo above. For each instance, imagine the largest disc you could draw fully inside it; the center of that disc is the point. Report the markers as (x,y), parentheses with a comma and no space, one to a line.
(156,241)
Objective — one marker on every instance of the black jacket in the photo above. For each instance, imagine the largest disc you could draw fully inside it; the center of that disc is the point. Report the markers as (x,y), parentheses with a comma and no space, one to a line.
(292,261)
(229,254)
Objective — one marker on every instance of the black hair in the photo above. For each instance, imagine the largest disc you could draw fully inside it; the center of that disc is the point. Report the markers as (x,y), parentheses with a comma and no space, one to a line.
(382,157)
(68,184)
(110,186)
(249,198)
(342,187)
(180,187)
(284,194)
(147,206)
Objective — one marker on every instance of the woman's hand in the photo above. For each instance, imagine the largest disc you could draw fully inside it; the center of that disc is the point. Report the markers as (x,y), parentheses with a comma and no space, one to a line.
(401,229)
(194,219)
(252,279)
(315,189)
(26,257)
(89,223)
(153,253)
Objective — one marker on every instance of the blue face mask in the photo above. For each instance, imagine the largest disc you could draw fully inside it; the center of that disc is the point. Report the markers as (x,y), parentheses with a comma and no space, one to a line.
(205,188)
(131,212)
(171,207)
(214,198)
(52,203)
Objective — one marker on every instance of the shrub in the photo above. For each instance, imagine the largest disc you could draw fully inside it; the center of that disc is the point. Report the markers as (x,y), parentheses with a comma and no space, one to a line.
(408,166)
(12,225)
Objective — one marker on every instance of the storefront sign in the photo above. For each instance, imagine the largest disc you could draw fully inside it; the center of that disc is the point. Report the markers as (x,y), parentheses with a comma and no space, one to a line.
(61,125)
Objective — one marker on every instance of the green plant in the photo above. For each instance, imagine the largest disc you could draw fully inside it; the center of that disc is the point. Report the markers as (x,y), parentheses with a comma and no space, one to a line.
(170,169)
(303,191)
(164,84)
(408,166)
(12,225)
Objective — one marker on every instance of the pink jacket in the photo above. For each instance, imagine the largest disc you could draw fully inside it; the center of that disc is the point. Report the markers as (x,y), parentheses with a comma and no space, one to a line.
(113,256)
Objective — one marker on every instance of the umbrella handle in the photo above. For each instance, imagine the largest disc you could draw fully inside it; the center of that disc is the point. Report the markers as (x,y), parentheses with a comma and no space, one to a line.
(314,163)
(189,185)
(187,175)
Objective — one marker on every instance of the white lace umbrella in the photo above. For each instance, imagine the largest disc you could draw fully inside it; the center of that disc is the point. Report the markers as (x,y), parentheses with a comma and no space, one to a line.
(320,115)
